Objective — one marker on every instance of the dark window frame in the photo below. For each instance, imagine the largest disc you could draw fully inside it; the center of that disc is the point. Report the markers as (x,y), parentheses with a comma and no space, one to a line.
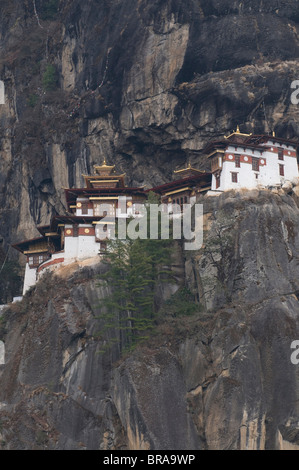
(234,177)
(280,154)
(255,163)
(36,259)
(75,231)
(84,208)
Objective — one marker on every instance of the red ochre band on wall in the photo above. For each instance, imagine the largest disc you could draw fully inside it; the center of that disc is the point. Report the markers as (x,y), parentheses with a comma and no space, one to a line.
(86,231)
(245,159)
(54,261)
(82,231)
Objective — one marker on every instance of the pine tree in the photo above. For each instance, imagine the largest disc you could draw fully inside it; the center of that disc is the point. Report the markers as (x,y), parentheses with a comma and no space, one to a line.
(10,280)
(136,267)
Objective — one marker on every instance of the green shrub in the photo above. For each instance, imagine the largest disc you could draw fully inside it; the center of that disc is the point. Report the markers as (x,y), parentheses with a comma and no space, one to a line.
(182,304)
(3,321)
(10,280)
(41,438)
(50,9)
(50,78)
(32,100)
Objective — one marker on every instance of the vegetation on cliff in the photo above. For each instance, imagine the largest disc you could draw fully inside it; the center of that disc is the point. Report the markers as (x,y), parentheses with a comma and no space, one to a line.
(11,278)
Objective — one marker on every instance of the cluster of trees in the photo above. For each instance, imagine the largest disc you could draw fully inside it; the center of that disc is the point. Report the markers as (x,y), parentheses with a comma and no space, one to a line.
(10,279)
(136,268)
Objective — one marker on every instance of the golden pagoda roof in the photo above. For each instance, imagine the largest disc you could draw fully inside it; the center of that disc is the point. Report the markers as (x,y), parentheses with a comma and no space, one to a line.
(189,168)
(101,176)
(104,166)
(104,173)
(237,132)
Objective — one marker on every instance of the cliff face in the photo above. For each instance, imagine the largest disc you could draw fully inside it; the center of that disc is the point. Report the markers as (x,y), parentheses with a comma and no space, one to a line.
(147,84)
(220,378)
(144,84)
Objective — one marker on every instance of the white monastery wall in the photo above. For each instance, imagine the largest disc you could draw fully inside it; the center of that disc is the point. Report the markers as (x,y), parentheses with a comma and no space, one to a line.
(82,246)
(70,245)
(269,168)
(87,247)
(2,353)
(29,279)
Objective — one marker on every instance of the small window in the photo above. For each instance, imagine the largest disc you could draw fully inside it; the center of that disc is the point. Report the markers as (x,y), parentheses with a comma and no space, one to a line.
(217,181)
(186,199)
(281,170)
(36,260)
(112,209)
(256,176)
(234,177)
(237,161)
(85,208)
(280,154)
(255,164)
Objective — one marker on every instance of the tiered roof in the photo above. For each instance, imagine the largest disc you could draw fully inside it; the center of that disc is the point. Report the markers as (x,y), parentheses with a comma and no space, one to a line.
(187,176)
(251,141)
(104,177)
(104,182)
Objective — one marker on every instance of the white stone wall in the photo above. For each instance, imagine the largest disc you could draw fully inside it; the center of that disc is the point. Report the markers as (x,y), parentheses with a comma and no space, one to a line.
(87,247)
(2,92)
(29,279)
(2,353)
(80,247)
(51,267)
(268,174)
(70,245)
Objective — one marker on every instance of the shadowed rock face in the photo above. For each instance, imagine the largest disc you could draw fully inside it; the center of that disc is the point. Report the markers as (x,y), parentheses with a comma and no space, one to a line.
(145,84)
(221,378)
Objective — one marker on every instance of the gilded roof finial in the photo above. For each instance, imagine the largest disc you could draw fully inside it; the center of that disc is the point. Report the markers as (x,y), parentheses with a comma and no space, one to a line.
(189,165)
(238,130)
(273,134)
